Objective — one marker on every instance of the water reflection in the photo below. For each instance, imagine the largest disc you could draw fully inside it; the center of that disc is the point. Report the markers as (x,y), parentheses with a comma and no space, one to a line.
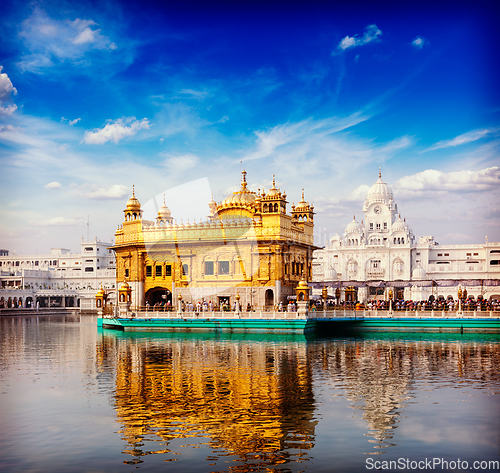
(253,397)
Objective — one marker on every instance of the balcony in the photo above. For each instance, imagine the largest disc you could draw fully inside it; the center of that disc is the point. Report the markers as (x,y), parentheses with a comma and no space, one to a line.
(375,273)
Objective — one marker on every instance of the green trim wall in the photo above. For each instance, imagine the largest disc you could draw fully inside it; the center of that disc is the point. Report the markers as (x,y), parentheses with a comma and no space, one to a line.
(418,324)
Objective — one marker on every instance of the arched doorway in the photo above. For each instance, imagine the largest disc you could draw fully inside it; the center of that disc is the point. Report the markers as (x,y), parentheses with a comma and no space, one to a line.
(159,296)
(351,294)
(269,297)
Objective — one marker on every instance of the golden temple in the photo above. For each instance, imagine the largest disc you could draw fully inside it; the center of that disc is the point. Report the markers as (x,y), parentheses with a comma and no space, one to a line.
(249,249)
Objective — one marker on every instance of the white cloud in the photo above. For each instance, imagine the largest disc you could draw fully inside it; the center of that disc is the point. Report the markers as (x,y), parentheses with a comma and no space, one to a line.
(457,181)
(71,122)
(60,222)
(53,185)
(7,90)
(181,163)
(116,191)
(465,138)
(50,41)
(419,42)
(116,131)
(196,94)
(372,33)
(269,141)
(8,110)
(86,36)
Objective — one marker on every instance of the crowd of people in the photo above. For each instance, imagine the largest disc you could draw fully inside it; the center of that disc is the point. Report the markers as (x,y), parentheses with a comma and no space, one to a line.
(469,304)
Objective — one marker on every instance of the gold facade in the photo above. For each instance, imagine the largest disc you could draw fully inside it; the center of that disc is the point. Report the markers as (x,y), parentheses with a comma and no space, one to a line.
(249,245)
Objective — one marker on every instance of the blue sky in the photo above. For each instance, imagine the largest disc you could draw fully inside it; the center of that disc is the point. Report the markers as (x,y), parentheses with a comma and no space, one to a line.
(98,96)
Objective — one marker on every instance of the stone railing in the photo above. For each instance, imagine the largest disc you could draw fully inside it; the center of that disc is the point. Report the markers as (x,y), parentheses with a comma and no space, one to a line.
(258,314)
(366,313)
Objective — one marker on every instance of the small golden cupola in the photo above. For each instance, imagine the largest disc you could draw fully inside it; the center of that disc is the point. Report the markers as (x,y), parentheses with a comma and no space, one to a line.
(164,214)
(274,201)
(212,205)
(304,212)
(133,210)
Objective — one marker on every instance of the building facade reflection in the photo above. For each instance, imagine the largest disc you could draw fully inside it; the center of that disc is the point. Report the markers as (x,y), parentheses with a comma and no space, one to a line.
(257,400)
(252,400)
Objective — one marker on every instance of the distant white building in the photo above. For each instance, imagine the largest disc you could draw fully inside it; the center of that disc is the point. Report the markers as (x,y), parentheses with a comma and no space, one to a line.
(60,278)
(381,253)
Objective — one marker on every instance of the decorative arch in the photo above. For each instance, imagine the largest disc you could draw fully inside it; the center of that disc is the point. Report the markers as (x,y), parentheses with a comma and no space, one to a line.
(155,296)
(398,265)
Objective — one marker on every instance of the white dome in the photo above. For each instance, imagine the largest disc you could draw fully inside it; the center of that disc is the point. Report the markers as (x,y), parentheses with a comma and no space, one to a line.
(419,273)
(354,227)
(379,192)
(399,226)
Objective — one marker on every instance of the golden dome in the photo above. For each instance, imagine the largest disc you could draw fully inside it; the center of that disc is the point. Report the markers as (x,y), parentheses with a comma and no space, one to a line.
(243,197)
(125,286)
(302,285)
(101,292)
(164,211)
(302,205)
(273,191)
(133,203)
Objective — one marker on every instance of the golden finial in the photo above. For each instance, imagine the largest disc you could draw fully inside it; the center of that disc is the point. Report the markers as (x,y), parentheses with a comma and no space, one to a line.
(379,172)
(274,182)
(133,190)
(164,200)
(243,179)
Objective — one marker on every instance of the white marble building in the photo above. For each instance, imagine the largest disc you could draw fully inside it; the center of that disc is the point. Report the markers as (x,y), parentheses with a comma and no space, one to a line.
(59,278)
(381,252)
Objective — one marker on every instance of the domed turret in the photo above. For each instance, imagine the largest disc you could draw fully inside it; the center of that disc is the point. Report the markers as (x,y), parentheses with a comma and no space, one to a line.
(399,225)
(354,227)
(133,203)
(419,273)
(164,214)
(133,210)
(212,205)
(273,191)
(380,193)
(242,198)
(303,212)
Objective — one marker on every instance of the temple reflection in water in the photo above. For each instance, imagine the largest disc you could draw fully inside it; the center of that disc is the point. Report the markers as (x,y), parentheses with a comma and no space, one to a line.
(256,398)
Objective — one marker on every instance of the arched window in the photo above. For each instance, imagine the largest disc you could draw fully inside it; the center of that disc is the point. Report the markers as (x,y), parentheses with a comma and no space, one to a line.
(275,207)
(265,208)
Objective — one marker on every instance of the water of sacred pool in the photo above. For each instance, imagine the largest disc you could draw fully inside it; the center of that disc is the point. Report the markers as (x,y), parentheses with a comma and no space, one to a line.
(77,399)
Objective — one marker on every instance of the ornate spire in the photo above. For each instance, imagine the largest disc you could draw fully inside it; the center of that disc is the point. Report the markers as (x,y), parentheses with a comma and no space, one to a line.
(243,180)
